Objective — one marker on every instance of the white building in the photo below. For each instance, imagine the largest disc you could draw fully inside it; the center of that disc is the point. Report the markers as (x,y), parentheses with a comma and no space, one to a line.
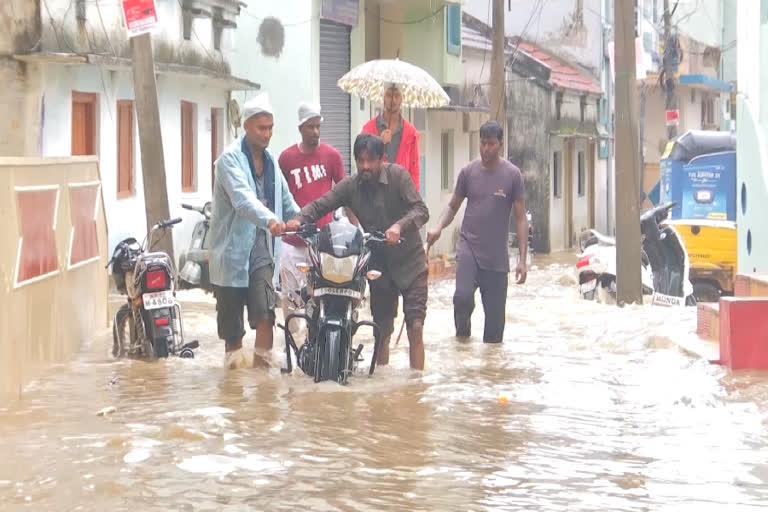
(71,93)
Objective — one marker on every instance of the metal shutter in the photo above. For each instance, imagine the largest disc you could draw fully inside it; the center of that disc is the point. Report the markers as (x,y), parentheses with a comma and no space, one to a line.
(334,62)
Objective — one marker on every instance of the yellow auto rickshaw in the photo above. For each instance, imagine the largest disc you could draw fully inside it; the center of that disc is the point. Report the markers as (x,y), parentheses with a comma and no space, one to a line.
(698,171)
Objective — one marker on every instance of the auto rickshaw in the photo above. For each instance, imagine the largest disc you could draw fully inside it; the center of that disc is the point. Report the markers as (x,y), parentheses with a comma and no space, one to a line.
(698,171)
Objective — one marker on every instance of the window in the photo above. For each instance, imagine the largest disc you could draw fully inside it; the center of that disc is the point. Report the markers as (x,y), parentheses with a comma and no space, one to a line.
(764,14)
(453,29)
(125,148)
(581,172)
(84,119)
(583,108)
(188,136)
(474,145)
(557,170)
(558,105)
(446,147)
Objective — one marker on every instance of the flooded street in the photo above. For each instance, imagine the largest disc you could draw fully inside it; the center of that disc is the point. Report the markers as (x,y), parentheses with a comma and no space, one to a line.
(583,407)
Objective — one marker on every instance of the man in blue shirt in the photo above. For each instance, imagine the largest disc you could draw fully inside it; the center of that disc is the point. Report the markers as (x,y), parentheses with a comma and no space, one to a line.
(251,201)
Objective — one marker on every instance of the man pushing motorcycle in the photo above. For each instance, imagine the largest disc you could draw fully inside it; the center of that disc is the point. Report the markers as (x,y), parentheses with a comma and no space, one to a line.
(383,198)
(250,201)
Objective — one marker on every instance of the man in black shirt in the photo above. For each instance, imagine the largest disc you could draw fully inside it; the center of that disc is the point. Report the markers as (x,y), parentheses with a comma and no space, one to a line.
(382,196)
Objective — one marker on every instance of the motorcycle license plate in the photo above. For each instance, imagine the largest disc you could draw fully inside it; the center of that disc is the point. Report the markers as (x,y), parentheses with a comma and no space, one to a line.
(588,286)
(341,292)
(157,300)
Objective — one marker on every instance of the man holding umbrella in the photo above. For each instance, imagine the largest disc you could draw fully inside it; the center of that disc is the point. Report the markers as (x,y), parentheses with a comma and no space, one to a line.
(401,139)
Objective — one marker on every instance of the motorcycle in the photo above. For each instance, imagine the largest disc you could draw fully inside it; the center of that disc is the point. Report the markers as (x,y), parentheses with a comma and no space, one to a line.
(148,326)
(664,263)
(194,262)
(337,274)
(513,239)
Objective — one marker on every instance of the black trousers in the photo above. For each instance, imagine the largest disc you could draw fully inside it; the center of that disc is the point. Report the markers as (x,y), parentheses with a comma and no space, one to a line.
(493,292)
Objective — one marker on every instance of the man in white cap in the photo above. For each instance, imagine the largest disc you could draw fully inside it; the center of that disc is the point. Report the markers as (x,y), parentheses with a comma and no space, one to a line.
(251,201)
(311,168)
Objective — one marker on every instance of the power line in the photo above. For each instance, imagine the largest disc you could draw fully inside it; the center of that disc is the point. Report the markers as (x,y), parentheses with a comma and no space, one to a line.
(410,22)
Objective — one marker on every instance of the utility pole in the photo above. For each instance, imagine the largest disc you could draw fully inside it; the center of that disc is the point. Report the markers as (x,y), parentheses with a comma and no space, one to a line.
(498,82)
(628,243)
(150,138)
(669,62)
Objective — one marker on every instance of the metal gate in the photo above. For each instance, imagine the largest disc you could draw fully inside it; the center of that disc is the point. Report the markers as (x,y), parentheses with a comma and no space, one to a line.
(334,62)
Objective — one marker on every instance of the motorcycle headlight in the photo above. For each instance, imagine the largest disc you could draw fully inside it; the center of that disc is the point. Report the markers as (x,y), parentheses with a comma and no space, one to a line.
(338,270)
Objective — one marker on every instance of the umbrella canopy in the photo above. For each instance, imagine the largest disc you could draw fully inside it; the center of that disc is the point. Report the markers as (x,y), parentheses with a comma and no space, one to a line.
(418,87)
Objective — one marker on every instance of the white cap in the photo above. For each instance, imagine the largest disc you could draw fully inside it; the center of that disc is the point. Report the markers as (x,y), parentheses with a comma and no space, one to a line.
(309,111)
(257,105)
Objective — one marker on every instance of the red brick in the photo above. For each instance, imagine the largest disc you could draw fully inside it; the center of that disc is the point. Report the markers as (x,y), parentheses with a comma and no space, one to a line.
(707,321)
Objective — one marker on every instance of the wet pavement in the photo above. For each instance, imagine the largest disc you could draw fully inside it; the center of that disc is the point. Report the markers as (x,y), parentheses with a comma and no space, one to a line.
(583,407)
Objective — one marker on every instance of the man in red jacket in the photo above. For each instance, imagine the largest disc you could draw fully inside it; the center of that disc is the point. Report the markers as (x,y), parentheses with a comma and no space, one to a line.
(401,139)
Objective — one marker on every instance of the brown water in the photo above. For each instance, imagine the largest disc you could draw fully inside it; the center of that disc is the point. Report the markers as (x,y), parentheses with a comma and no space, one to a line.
(584,407)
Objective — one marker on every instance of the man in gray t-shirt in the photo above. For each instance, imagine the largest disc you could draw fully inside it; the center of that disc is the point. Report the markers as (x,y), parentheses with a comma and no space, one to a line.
(492,187)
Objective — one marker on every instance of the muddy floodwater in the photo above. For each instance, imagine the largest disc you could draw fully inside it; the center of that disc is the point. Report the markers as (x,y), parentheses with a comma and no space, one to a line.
(583,407)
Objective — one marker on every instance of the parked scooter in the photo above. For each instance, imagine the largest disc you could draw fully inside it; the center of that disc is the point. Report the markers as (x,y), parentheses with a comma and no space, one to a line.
(513,239)
(337,275)
(148,325)
(194,261)
(664,263)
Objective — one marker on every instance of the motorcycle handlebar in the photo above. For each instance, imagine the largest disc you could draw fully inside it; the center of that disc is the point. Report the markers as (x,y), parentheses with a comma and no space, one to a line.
(168,223)
(190,207)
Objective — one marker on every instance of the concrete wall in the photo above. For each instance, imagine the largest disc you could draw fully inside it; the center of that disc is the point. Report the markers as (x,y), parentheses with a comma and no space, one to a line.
(127,216)
(557,226)
(44,319)
(702,20)
(110,38)
(291,77)
(435,196)
(556,26)
(529,111)
(752,133)
(580,202)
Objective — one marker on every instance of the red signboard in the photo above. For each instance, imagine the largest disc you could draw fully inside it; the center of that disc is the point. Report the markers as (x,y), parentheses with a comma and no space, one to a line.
(673,117)
(140,16)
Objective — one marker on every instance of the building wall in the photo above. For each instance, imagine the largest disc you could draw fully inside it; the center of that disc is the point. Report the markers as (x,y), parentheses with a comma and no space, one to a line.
(752,133)
(126,217)
(435,196)
(580,202)
(557,227)
(528,113)
(44,320)
(602,200)
(288,79)
(555,26)
(702,20)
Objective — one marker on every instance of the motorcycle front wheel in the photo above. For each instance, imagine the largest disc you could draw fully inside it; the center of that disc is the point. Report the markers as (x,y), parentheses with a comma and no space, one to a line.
(331,358)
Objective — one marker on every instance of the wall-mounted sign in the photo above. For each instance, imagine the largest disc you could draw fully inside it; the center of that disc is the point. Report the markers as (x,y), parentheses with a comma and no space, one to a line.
(340,11)
(140,16)
(673,117)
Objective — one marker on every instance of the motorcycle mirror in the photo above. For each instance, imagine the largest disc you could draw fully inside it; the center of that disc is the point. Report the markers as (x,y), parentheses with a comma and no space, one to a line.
(373,275)
(303,267)
(207,209)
